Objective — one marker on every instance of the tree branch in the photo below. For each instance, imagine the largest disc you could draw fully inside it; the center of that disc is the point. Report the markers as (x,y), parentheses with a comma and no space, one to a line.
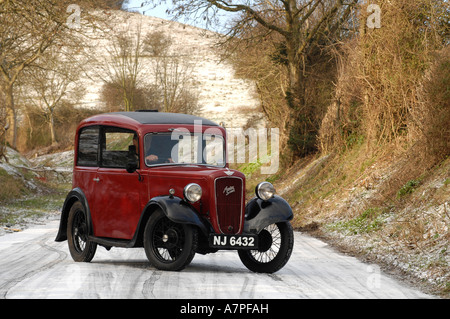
(244,8)
(312,34)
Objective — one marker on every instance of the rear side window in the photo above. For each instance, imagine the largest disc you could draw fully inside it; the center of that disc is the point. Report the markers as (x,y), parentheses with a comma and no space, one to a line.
(115,147)
(88,146)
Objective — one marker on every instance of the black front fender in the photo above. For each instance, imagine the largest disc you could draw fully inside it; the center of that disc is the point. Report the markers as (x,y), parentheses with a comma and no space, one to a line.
(178,211)
(260,214)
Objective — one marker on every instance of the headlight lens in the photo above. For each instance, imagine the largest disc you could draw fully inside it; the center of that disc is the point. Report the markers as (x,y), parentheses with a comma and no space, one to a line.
(265,190)
(193,192)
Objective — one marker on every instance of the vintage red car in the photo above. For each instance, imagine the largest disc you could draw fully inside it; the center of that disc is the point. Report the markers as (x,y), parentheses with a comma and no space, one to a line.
(161,181)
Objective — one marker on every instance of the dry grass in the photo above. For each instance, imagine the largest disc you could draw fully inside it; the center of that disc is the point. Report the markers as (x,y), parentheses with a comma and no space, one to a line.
(393,84)
(384,197)
(10,187)
(385,208)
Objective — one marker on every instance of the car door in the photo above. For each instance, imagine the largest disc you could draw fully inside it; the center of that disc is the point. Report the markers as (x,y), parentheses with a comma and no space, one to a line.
(116,207)
(86,165)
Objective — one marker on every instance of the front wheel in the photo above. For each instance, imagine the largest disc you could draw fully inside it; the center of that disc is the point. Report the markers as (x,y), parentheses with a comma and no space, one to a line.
(169,245)
(276,242)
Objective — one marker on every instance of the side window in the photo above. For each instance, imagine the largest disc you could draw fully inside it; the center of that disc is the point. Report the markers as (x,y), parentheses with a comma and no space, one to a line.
(115,147)
(88,146)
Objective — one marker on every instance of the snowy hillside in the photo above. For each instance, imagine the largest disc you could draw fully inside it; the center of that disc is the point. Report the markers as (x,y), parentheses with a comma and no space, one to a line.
(222,96)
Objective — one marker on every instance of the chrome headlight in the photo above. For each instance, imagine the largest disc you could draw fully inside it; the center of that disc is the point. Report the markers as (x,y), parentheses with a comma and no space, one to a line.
(265,190)
(192,192)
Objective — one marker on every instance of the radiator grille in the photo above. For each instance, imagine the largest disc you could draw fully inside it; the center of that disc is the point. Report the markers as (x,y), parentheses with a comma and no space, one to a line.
(229,192)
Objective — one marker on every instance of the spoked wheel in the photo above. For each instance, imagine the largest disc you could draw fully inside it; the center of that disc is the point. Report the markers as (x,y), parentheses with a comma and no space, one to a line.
(275,248)
(169,245)
(80,247)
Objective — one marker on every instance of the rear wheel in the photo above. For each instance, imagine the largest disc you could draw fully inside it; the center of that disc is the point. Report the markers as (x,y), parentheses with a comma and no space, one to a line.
(169,245)
(275,248)
(80,247)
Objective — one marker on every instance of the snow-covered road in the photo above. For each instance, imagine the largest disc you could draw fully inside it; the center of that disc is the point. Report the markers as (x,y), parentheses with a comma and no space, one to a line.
(33,265)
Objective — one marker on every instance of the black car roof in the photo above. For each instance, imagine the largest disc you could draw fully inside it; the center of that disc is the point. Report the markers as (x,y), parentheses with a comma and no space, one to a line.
(165,118)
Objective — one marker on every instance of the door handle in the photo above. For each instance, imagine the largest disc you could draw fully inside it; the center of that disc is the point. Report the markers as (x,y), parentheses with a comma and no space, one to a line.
(96,179)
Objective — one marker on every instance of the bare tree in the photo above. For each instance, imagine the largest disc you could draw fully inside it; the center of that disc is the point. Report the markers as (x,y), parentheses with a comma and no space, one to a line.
(145,97)
(143,70)
(50,83)
(27,29)
(172,73)
(301,24)
(124,66)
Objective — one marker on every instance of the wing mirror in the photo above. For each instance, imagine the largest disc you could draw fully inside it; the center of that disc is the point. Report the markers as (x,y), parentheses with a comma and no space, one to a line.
(133,161)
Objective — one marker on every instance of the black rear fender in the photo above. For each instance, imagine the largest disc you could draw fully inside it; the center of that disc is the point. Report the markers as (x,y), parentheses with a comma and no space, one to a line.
(74,195)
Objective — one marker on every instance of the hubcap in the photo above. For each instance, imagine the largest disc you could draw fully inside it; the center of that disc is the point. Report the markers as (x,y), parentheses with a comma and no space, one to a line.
(265,240)
(168,240)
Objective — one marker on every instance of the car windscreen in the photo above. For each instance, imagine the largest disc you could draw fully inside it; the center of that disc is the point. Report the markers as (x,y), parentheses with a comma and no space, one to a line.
(184,148)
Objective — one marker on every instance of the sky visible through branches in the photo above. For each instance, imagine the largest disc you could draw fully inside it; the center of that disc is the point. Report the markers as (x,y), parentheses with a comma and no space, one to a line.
(160,12)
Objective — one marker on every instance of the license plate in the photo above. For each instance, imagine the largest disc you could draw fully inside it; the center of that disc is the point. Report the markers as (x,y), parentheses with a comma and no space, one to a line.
(233,241)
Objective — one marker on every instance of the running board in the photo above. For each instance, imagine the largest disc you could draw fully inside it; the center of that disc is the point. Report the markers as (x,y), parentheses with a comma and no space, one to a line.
(112,242)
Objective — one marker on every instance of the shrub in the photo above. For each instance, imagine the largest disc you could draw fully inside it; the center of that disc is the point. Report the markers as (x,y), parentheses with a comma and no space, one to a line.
(408,188)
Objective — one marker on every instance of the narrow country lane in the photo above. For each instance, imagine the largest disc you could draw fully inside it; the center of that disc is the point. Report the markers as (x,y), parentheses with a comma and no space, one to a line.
(33,265)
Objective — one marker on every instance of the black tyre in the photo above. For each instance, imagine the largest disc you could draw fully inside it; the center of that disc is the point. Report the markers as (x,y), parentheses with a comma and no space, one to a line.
(80,247)
(168,245)
(275,248)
